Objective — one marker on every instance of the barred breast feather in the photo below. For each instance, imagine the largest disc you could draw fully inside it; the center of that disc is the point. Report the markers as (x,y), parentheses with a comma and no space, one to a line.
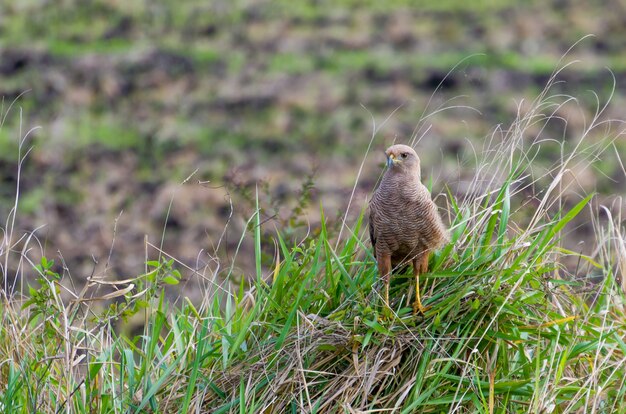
(404,221)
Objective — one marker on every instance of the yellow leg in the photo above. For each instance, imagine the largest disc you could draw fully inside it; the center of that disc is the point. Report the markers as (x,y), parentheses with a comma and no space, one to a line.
(387,292)
(420,264)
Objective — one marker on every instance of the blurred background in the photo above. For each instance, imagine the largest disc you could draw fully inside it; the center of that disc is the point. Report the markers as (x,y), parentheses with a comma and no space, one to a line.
(233,97)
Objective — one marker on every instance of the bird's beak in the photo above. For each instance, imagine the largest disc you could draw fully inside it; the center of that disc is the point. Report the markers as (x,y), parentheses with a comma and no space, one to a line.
(391,159)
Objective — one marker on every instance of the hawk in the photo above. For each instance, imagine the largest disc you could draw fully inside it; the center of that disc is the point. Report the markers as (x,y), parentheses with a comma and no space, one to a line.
(405,226)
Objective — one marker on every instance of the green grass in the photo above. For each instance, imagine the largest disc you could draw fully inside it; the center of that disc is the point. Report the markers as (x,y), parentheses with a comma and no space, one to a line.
(511,325)
(8,147)
(105,131)
(63,48)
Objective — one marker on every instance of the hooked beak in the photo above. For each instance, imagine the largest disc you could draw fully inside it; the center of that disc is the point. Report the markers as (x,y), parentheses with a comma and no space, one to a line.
(391,159)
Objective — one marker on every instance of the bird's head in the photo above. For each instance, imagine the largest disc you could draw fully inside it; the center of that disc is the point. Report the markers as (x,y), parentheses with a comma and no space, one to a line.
(402,158)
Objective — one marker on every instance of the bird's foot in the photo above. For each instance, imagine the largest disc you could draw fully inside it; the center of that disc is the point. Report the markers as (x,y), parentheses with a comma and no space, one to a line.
(419,308)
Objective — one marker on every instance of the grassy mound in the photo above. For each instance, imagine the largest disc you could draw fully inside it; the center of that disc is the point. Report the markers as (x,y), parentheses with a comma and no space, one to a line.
(511,326)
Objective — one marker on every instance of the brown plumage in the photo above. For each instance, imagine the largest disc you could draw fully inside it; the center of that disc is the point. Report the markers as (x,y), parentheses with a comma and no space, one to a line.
(405,226)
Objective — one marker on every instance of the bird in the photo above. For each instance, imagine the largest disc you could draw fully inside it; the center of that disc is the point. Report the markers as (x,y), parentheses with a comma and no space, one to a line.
(404,223)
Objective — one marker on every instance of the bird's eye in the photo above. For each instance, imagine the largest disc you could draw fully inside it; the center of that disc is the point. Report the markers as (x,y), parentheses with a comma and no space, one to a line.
(404,155)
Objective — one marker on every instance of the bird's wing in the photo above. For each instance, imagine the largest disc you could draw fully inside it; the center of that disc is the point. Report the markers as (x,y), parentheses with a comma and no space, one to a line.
(428,210)
(372,231)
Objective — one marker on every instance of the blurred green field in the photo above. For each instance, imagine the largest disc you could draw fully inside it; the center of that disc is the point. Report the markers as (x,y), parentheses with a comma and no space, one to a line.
(133,97)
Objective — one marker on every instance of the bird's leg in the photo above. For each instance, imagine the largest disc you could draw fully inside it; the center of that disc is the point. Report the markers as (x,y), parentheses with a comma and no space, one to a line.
(384,270)
(420,265)
(424,263)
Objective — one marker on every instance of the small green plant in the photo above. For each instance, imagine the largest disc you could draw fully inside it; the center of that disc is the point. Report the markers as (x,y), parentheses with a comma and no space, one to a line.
(42,300)
(145,288)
